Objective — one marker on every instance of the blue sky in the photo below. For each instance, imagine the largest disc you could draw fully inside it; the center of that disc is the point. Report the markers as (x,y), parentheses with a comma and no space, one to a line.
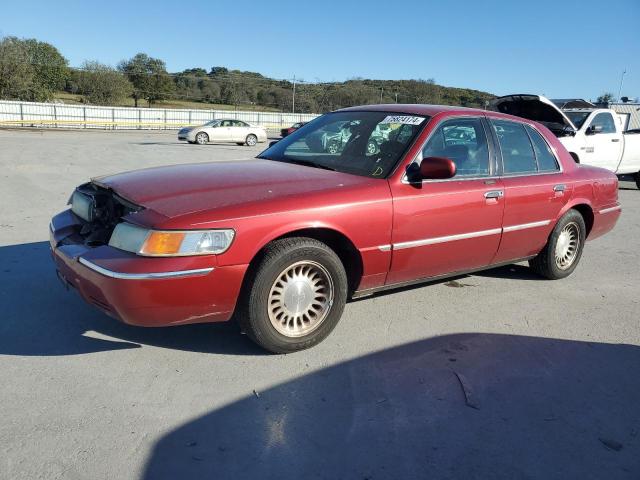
(557,48)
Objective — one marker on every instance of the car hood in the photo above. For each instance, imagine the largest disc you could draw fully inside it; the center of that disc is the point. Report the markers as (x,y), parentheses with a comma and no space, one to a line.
(227,189)
(533,107)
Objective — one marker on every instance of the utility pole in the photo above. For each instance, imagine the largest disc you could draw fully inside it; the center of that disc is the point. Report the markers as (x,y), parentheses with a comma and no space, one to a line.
(396,97)
(293,106)
(621,82)
(381,92)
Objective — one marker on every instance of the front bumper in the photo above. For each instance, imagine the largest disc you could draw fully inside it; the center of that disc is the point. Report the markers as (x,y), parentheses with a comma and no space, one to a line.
(144,291)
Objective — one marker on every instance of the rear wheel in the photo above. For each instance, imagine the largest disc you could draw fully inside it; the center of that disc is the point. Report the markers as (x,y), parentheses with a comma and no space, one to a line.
(202,138)
(295,295)
(251,140)
(561,255)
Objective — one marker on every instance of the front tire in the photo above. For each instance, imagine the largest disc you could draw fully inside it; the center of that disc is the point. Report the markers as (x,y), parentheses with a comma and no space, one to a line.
(251,140)
(202,138)
(294,296)
(563,250)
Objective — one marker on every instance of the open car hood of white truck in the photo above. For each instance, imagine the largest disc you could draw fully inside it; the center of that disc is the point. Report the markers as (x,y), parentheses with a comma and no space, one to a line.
(536,108)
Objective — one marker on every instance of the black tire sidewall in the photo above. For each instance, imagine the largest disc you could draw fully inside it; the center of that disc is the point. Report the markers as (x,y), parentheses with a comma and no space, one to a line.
(554,270)
(257,323)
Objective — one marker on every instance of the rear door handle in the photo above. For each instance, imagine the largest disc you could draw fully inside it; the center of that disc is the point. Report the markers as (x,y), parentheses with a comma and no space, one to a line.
(615,139)
(494,194)
(560,187)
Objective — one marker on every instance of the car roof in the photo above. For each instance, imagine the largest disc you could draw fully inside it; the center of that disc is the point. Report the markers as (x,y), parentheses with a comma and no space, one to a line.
(430,110)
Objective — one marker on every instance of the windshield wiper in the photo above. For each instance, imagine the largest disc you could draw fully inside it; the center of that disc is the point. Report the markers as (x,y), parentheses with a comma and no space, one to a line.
(309,163)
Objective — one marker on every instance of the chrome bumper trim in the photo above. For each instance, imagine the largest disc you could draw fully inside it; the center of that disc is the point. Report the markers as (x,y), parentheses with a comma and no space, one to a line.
(611,209)
(142,276)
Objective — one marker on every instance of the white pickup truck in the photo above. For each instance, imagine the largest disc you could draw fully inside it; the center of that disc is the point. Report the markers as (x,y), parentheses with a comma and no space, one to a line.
(592,135)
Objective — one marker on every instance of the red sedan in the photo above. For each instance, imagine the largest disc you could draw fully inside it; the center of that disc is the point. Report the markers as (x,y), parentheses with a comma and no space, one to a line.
(288,131)
(283,241)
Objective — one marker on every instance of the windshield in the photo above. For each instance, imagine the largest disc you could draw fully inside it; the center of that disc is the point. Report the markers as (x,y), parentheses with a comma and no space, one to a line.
(577,118)
(361,143)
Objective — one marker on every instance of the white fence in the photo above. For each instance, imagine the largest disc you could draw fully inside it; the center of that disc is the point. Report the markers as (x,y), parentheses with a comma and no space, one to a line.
(31,114)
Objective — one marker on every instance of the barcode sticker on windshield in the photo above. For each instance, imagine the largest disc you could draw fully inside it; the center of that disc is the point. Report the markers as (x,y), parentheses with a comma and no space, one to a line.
(403,119)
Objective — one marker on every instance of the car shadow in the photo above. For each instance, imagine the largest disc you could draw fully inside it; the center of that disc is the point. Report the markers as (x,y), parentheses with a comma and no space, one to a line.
(463,406)
(41,318)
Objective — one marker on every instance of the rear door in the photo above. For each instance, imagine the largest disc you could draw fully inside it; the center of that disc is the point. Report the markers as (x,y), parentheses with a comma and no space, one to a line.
(534,189)
(224,131)
(239,131)
(445,226)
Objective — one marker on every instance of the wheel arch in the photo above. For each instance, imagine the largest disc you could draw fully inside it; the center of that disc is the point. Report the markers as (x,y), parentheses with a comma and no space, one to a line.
(338,241)
(584,207)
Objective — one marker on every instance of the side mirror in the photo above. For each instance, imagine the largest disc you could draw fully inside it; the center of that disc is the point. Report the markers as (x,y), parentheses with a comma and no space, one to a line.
(272,143)
(437,168)
(593,129)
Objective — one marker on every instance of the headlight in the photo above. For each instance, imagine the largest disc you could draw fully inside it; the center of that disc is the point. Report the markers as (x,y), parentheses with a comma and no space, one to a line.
(170,243)
(82,206)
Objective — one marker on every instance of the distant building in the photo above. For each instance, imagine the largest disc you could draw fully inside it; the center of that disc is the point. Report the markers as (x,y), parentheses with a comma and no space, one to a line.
(629,112)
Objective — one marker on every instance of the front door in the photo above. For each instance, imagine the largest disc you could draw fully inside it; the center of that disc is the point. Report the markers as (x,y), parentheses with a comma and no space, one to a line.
(604,142)
(453,225)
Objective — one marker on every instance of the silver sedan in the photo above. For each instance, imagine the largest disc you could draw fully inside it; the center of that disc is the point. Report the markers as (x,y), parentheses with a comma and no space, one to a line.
(224,130)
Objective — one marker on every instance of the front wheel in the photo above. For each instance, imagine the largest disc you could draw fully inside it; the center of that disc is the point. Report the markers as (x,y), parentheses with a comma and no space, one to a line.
(202,138)
(251,140)
(560,256)
(295,295)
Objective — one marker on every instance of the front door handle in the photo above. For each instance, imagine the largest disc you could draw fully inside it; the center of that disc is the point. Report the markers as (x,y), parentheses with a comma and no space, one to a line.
(494,194)
(615,139)
(560,188)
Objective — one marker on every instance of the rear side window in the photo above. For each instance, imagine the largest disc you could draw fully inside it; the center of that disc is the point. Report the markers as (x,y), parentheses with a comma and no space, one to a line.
(546,159)
(517,151)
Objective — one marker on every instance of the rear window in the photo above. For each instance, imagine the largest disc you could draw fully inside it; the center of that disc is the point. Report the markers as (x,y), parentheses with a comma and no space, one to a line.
(546,159)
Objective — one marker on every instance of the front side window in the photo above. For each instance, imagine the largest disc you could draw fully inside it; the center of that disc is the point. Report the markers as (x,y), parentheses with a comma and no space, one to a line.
(357,142)
(464,141)
(517,151)
(604,120)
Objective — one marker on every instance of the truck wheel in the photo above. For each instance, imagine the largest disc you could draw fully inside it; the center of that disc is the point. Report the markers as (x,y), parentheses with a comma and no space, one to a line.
(294,296)
(560,256)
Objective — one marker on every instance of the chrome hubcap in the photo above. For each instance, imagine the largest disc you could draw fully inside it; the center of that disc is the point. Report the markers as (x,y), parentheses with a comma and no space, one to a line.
(567,246)
(251,141)
(201,138)
(300,298)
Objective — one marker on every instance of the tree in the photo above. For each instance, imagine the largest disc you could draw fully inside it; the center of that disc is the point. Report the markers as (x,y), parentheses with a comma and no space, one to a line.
(149,78)
(101,84)
(50,69)
(606,97)
(16,73)
(30,70)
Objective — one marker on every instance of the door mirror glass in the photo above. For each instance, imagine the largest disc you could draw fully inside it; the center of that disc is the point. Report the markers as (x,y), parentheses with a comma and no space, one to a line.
(437,168)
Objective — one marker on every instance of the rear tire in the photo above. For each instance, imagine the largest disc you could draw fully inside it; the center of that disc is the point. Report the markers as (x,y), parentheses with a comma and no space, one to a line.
(294,296)
(562,253)
(251,140)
